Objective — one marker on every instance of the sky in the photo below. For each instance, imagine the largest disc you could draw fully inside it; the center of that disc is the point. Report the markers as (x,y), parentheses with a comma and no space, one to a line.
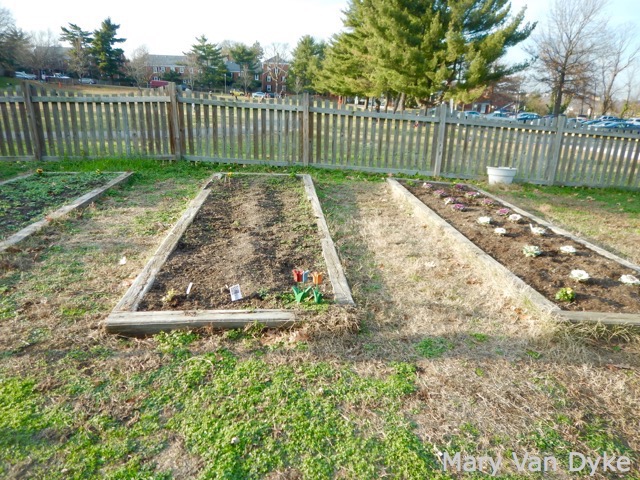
(171,28)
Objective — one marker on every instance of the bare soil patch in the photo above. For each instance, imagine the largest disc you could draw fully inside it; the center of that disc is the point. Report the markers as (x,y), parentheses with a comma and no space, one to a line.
(251,231)
(546,273)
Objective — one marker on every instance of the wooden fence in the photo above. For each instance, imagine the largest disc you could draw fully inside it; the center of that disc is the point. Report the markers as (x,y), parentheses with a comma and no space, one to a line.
(40,123)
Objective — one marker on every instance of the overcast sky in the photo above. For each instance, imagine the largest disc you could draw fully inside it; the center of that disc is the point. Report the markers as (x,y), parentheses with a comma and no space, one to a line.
(170,28)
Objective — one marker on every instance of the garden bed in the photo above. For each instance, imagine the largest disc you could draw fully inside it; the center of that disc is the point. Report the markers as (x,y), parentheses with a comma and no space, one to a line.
(43,197)
(246,230)
(602,298)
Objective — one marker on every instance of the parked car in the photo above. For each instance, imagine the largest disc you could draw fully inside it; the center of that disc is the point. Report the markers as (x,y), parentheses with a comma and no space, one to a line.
(498,116)
(87,81)
(25,76)
(258,95)
(61,76)
(469,114)
(634,120)
(608,118)
(618,126)
(527,116)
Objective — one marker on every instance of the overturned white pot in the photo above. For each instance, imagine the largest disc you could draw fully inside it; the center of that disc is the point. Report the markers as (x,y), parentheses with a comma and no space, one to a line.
(501,174)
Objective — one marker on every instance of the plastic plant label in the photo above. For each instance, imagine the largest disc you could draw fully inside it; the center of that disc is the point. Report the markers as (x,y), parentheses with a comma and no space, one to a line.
(305,276)
(235,292)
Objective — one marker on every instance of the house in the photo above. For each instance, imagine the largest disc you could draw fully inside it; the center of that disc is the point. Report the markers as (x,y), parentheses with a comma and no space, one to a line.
(275,71)
(160,65)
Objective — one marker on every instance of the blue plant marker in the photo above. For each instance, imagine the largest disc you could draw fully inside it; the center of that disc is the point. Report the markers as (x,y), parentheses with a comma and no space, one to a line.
(305,276)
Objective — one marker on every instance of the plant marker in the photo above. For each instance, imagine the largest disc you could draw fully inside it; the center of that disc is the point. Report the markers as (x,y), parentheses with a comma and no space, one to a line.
(297,275)
(189,288)
(235,292)
(305,276)
(317,278)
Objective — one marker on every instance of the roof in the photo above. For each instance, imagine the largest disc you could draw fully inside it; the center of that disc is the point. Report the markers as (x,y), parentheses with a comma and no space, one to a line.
(167,60)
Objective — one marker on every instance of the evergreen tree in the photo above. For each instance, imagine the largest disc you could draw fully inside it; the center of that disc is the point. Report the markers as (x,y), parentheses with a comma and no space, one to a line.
(108,60)
(79,55)
(305,66)
(431,49)
(347,66)
(209,62)
(249,63)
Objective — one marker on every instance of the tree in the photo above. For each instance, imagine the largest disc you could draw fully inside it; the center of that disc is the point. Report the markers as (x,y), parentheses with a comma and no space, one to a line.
(429,49)
(249,63)
(566,47)
(305,66)
(14,43)
(207,57)
(276,66)
(79,55)
(46,53)
(108,60)
(137,67)
(621,54)
(346,67)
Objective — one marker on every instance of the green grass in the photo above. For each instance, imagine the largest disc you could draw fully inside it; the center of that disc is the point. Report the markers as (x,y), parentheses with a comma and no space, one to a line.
(78,404)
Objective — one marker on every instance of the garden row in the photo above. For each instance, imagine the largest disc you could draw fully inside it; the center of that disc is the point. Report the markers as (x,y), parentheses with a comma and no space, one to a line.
(256,248)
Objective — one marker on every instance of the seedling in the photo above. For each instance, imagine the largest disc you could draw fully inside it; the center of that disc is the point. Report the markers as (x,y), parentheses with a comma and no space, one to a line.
(171,293)
(566,295)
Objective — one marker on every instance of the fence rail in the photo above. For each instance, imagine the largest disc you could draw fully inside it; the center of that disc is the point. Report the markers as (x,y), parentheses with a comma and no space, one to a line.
(37,122)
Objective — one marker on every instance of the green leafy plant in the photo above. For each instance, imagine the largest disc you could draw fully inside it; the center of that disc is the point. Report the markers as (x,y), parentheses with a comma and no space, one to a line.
(566,295)
(301,293)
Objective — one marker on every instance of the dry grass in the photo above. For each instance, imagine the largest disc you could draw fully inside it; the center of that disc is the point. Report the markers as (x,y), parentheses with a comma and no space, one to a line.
(506,377)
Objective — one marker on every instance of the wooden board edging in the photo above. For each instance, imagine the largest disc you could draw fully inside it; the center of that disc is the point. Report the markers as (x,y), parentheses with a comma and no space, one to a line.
(561,231)
(149,323)
(143,282)
(539,300)
(80,202)
(125,320)
(341,290)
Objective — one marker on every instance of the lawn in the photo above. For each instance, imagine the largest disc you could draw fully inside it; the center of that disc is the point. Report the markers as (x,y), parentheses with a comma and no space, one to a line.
(436,359)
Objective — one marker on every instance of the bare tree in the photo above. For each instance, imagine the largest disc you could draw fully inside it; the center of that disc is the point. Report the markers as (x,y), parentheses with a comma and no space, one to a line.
(138,66)
(46,52)
(276,65)
(622,52)
(566,46)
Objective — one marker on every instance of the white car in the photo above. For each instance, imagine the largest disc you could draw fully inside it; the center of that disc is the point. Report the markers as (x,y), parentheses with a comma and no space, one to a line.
(87,81)
(634,120)
(25,76)
(258,95)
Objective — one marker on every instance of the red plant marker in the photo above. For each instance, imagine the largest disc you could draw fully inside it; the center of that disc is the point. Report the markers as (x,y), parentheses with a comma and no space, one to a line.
(297,275)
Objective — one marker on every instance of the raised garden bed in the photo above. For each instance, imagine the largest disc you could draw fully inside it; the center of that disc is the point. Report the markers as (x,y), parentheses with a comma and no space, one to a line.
(246,230)
(29,202)
(603,298)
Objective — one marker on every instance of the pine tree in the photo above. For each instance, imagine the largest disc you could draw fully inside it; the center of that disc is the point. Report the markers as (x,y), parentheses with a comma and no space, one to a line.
(249,63)
(210,64)
(79,55)
(430,49)
(108,60)
(305,66)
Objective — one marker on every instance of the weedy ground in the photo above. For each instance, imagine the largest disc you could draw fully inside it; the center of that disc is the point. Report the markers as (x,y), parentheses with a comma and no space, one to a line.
(436,357)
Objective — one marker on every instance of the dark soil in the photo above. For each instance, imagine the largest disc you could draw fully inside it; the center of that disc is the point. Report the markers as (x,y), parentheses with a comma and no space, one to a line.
(252,231)
(29,199)
(546,273)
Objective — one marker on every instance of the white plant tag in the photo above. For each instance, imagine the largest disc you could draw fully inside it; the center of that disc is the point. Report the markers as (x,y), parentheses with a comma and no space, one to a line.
(236,294)
(189,288)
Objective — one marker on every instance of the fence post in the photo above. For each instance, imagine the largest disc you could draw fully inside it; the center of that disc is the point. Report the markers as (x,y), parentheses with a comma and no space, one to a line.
(305,129)
(442,128)
(33,119)
(175,131)
(556,150)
